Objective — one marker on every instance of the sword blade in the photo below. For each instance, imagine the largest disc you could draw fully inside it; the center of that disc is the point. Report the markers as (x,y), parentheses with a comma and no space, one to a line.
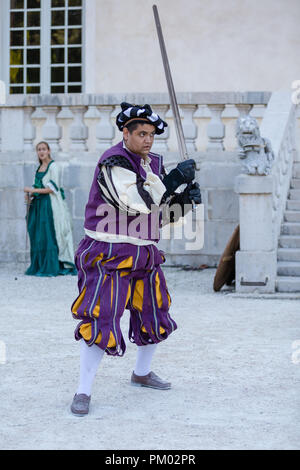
(172,95)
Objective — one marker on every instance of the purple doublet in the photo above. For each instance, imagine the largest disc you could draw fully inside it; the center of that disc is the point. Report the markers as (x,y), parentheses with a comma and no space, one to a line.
(117,222)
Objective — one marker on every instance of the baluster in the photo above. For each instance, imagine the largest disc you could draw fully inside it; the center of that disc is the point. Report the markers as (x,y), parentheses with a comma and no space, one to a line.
(65,113)
(190,129)
(78,129)
(215,128)
(244,109)
(105,132)
(51,131)
(29,129)
(92,112)
(161,141)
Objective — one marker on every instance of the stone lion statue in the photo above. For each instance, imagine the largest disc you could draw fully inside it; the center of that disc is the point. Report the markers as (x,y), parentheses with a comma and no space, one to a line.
(256,151)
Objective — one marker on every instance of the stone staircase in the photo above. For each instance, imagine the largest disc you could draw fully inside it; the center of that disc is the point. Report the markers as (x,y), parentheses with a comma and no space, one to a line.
(288,266)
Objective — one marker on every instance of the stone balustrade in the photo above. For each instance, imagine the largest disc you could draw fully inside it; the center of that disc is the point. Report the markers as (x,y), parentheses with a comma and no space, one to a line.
(279,126)
(65,120)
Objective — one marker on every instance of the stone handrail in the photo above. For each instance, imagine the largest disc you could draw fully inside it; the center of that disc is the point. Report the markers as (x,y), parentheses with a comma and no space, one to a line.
(262,200)
(20,115)
(278,125)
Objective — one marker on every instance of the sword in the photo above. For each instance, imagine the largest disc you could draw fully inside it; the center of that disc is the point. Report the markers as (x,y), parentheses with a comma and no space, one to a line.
(174,105)
(172,95)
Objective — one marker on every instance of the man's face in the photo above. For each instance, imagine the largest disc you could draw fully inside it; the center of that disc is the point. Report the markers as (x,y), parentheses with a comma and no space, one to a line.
(140,140)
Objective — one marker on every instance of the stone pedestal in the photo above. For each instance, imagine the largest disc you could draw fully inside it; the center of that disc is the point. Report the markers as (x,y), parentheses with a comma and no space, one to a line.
(256,261)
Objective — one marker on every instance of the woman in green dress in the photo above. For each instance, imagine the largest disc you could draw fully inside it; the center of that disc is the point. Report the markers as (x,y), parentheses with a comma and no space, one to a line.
(49,222)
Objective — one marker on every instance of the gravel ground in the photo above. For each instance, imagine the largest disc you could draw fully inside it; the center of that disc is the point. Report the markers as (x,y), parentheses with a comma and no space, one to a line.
(233,363)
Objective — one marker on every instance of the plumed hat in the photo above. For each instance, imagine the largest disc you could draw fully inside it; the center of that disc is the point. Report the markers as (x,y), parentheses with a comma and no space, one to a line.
(132,112)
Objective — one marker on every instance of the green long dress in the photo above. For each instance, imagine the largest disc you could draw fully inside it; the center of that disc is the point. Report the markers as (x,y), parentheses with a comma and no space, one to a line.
(43,244)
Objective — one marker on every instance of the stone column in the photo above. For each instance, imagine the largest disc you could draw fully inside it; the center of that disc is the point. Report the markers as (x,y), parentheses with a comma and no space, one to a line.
(105,132)
(78,129)
(189,127)
(161,141)
(244,109)
(51,131)
(216,128)
(256,261)
(29,130)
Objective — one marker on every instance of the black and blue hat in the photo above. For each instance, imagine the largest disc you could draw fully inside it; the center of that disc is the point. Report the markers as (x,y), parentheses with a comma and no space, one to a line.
(132,112)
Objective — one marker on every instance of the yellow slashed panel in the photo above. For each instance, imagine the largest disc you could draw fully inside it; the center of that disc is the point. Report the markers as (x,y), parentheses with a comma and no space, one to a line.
(161,330)
(96,310)
(169,299)
(78,302)
(86,332)
(158,292)
(98,258)
(138,295)
(126,263)
(128,296)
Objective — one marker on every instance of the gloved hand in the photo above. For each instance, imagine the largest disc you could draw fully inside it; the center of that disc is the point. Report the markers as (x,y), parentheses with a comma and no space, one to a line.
(184,200)
(187,169)
(184,173)
(192,193)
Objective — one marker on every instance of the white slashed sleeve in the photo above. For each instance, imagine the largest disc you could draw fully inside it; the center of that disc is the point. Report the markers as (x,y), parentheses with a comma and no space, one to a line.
(155,187)
(125,185)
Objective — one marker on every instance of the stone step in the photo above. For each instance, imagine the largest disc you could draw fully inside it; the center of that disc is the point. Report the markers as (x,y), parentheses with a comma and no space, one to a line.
(294,194)
(296,170)
(287,284)
(288,268)
(292,216)
(289,241)
(293,205)
(288,254)
(290,228)
(295,183)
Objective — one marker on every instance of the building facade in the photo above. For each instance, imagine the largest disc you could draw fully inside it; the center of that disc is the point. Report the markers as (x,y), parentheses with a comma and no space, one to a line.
(110,46)
(65,66)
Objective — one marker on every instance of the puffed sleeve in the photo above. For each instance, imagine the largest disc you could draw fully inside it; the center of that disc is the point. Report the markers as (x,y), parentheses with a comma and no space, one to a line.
(124,189)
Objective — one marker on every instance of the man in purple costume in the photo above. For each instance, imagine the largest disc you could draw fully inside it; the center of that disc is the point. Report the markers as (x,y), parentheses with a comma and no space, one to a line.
(118,261)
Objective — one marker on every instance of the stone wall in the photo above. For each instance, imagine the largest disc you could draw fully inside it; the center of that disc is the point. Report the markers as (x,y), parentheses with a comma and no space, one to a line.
(216,180)
(209,43)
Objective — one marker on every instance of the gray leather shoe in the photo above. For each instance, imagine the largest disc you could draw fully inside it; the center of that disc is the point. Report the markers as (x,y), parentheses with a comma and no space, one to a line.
(150,380)
(80,405)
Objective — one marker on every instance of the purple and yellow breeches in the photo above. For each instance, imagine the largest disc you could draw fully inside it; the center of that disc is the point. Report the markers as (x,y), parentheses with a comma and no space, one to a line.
(113,277)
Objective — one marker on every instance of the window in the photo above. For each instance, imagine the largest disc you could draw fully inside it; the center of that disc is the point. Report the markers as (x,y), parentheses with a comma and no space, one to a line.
(43,32)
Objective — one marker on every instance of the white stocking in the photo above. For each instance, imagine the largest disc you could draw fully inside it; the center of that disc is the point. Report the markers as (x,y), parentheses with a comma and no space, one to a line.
(144,358)
(90,358)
